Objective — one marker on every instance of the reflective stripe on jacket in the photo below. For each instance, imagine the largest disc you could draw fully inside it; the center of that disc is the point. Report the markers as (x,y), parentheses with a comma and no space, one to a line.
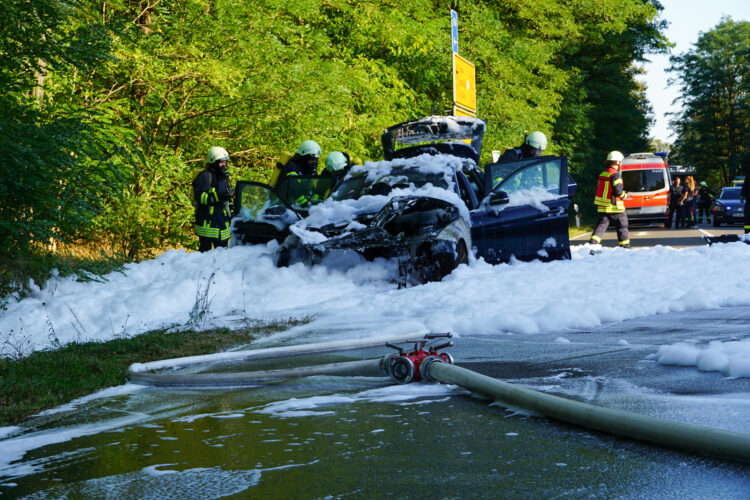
(609,191)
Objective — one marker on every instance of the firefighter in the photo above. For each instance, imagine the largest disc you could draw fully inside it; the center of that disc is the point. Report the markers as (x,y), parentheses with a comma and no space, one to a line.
(705,202)
(743,196)
(304,161)
(213,196)
(609,201)
(533,145)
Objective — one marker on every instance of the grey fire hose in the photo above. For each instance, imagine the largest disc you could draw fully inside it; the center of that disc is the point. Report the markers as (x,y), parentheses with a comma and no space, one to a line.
(142,373)
(693,438)
(238,379)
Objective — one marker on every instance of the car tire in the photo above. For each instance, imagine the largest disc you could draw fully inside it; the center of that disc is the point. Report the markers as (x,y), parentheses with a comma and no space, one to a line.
(716,222)
(462,254)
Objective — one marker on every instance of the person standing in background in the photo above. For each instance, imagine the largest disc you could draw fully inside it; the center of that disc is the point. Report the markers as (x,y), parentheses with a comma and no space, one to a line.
(705,202)
(675,196)
(689,203)
(743,194)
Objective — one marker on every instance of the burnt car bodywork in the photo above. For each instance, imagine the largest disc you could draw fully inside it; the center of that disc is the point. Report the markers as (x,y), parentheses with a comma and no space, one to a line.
(428,205)
(395,215)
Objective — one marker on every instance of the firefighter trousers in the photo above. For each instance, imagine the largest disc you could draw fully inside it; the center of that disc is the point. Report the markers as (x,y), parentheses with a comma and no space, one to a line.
(620,223)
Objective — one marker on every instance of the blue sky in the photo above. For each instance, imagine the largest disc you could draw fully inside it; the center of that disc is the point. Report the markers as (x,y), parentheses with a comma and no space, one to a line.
(687,18)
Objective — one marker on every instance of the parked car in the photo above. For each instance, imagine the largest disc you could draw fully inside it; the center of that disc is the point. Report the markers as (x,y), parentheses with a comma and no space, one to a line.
(728,208)
(427,205)
(646,180)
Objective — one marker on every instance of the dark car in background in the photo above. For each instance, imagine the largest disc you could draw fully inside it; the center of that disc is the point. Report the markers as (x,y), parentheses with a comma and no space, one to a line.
(728,209)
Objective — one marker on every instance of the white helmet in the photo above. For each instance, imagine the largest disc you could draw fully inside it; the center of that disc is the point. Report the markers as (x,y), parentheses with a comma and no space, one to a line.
(217,153)
(615,156)
(309,148)
(335,161)
(537,140)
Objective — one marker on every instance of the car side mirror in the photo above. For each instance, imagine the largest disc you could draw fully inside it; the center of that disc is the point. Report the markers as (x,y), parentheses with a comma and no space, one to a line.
(499,198)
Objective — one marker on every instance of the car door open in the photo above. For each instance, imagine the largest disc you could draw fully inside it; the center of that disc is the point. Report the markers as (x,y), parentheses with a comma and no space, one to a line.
(525,211)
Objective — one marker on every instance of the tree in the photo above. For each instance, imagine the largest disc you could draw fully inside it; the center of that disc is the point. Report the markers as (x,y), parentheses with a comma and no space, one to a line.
(56,165)
(713,127)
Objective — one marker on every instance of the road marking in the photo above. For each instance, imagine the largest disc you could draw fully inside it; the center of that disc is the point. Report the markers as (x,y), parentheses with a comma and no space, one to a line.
(579,236)
(706,233)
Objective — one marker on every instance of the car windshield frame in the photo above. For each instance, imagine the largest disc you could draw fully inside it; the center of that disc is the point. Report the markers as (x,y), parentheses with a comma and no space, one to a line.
(361,183)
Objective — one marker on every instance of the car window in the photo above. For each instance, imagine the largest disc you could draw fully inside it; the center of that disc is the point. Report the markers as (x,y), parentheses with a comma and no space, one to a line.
(634,181)
(730,194)
(544,175)
(255,201)
(500,171)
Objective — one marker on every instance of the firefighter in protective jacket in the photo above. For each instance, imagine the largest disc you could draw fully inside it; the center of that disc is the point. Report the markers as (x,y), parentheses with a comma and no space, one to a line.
(213,196)
(609,201)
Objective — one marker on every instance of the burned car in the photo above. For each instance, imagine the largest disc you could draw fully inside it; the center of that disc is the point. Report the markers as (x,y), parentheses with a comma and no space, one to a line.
(427,205)
(406,209)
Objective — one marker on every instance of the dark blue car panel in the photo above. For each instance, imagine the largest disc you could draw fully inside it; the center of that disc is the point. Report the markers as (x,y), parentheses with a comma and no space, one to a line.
(524,230)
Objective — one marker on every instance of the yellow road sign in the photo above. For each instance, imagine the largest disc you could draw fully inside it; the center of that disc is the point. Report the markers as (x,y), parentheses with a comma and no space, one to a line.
(464,79)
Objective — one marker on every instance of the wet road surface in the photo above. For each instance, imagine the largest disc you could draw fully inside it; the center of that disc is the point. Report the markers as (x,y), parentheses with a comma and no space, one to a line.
(656,234)
(336,437)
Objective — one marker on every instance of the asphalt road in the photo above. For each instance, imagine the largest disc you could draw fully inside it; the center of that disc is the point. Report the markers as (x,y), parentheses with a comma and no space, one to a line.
(656,234)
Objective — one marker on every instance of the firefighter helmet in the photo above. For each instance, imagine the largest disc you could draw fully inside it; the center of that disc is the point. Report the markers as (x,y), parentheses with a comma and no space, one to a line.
(309,148)
(335,161)
(537,140)
(615,156)
(217,153)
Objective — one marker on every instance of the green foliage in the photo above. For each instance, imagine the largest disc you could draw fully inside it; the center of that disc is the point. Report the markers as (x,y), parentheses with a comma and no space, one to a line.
(713,128)
(260,77)
(61,159)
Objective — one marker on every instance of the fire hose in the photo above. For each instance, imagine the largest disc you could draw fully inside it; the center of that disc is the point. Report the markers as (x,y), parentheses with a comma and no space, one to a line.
(424,363)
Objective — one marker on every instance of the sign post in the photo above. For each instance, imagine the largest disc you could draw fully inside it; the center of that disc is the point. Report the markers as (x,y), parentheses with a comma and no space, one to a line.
(454,30)
(464,77)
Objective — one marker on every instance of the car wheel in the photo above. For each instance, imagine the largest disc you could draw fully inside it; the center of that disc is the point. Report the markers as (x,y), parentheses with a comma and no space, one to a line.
(462,254)
(717,222)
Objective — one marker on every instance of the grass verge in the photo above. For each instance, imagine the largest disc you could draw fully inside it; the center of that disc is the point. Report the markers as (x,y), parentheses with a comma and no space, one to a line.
(47,379)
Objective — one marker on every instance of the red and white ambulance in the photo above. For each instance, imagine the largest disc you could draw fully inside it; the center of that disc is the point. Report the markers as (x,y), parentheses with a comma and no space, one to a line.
(645,178)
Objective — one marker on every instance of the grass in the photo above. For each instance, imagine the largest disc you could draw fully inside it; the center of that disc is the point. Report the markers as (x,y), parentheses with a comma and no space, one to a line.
(576,231)
(47,379)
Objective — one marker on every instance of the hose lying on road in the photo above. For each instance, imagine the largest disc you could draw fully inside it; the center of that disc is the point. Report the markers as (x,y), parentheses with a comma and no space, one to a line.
(687,437)
(138,373)
(238,379)
(693,438)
